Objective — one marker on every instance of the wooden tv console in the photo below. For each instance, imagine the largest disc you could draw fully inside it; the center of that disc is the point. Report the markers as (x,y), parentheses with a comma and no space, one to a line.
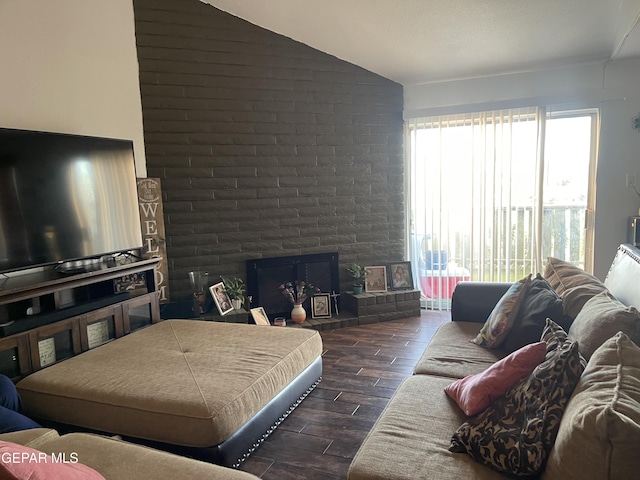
(47,316)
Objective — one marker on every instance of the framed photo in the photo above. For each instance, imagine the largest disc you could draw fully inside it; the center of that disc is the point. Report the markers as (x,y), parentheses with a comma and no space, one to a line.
(135,284)
(321,305)
(260,316)
(400,276)
(221,298)
(376,279)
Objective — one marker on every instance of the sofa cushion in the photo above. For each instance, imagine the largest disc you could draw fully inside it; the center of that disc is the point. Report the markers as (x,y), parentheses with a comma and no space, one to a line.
(116,459)
(517,432)
(410,439)
(500,321)
(31,438)
(18,462)
(600,319)
(539,303)
(450,353)
(599,432)
(475,393)
(573,284)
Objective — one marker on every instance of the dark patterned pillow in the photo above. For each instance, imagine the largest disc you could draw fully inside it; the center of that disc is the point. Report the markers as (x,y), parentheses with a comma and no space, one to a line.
(517,432)
(555,336)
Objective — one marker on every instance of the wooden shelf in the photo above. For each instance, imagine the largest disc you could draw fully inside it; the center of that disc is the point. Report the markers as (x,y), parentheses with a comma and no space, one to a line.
(78,312)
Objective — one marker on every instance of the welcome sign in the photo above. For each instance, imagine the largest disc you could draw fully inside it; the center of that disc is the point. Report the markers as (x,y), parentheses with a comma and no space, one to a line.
(153,236)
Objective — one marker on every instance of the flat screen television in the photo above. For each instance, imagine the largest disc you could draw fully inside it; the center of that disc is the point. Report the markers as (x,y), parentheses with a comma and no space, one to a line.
(65,198)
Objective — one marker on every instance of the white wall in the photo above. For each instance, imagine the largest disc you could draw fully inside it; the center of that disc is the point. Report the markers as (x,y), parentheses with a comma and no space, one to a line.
(71,66)
(612,87)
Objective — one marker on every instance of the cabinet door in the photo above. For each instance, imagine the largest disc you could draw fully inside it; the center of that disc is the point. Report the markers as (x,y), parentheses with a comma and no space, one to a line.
(100,326)
(55,342)
(14,356)
(140,312)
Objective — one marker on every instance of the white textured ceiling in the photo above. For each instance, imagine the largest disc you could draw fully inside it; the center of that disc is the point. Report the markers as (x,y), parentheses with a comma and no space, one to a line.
(423,41)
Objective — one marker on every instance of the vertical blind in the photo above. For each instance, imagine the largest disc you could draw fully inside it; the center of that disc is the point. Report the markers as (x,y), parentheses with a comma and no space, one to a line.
(475,192)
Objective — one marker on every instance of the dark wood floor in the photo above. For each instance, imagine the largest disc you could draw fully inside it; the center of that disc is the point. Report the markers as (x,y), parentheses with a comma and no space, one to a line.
(362,367)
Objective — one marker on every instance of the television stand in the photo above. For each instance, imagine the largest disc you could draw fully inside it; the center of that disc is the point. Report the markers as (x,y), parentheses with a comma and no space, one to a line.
(50,315)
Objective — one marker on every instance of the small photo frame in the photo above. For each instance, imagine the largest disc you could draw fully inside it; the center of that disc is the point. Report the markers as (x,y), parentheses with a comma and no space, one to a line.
(400,276)
(375,279)
(135,284)
(321,305)
(221,298)
(260,316)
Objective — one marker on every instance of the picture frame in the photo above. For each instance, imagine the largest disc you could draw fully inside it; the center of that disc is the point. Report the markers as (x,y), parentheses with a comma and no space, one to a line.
(260,316)
(321,305)
(134,283)
(375,279)
(221,298)
(400,276)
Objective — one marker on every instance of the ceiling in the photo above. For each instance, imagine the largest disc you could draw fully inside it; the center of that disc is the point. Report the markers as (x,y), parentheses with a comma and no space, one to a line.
(425,41)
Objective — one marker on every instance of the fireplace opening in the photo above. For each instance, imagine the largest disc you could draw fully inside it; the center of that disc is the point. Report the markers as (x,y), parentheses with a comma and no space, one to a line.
(265,275)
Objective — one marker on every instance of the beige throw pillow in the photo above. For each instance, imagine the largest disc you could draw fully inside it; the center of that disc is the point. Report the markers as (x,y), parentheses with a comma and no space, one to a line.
(600,429)
(574,285)
(600,319)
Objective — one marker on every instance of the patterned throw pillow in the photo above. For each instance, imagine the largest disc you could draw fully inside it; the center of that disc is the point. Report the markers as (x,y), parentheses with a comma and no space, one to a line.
(554,336)
(516,434)
(500,321)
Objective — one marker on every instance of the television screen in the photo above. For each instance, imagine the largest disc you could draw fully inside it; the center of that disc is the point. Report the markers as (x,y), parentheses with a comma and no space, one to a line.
(65,197)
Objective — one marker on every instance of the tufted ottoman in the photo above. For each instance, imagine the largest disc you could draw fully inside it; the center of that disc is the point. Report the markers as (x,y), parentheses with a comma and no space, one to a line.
(210,390)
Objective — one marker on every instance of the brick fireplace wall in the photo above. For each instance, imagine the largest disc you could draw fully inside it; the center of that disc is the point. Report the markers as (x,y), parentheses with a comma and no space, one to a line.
(264,146)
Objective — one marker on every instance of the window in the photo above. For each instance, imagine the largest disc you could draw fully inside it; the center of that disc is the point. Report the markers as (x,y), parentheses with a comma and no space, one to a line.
(492,194)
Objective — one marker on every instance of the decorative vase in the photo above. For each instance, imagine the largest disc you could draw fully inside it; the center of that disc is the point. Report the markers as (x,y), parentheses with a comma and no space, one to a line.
(237,303)
(298,314)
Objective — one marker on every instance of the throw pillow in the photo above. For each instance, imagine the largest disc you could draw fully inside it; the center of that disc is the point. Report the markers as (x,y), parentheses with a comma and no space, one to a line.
(596,436)
(574,285)
(600,319)
(562,275)
(539,303)
(20,462)
(516,433)
(497,326)
(554,336)
(475,393)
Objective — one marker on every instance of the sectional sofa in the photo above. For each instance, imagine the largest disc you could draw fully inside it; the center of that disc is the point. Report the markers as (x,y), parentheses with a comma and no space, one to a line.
(102,457)
(593,433)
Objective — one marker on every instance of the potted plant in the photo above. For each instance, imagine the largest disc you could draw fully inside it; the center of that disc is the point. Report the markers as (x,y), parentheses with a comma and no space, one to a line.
(358,273)
(236,289)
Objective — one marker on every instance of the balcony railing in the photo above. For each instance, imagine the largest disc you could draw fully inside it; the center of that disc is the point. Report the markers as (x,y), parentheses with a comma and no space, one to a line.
(506,253)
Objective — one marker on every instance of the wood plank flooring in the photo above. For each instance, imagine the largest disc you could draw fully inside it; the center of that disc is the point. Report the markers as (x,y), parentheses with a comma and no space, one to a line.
(362,367)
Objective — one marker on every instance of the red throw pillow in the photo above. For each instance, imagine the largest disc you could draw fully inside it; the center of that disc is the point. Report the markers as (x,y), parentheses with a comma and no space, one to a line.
(18,462)
(476,393)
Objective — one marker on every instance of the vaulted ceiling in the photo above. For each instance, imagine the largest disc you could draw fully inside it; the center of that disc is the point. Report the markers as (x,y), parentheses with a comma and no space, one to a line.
(425,41)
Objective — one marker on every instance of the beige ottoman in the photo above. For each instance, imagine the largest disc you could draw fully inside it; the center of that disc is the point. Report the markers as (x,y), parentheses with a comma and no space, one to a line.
(216,388)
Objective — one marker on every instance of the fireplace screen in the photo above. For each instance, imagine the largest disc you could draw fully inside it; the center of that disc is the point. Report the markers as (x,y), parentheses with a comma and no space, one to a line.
(265,275)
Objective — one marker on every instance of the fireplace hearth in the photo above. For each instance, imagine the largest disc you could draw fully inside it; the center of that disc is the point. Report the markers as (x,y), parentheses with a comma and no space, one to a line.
(264,275)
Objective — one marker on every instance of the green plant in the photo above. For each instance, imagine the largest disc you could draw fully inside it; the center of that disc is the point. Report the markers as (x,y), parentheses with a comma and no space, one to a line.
(358,273)
(235,287)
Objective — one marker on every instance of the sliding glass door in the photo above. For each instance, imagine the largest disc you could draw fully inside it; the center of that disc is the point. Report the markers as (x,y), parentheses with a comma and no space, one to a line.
(492,194)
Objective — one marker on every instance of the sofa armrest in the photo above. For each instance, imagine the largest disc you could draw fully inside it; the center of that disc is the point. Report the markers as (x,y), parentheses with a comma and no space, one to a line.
(474,301)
